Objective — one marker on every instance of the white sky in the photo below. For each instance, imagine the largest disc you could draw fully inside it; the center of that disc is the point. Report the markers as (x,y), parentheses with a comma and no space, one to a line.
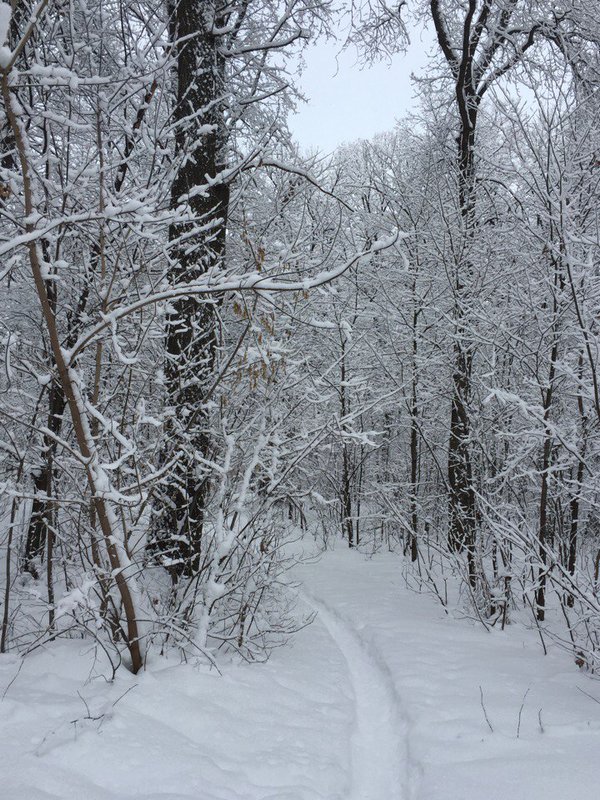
(347,102)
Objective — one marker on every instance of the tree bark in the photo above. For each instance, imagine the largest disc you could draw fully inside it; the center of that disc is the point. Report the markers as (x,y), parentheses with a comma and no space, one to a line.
(198,245)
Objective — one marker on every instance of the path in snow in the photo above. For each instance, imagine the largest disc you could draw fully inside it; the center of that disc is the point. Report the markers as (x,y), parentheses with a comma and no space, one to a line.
(441,666)
(379,743)
(321,720)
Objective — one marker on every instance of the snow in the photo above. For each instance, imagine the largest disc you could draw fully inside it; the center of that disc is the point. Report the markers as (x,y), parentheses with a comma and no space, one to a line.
(379,699)
(5,15)
(378,741)
(5,56)
(5,52)
(438,664)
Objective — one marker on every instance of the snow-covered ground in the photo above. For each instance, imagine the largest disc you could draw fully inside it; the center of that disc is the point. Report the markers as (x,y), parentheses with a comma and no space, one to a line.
(379,699)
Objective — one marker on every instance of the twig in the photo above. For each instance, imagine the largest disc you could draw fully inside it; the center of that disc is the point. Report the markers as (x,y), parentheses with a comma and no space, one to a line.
(126,692)
(487,719)
(521,712)
(587,694)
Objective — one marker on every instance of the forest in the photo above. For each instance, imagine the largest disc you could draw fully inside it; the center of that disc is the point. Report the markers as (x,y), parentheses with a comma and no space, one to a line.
(221,353)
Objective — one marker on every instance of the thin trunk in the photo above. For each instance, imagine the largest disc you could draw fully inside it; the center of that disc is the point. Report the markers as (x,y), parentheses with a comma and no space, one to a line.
(414,438)
(347,525)
(543,527)
(37,533)
(540,592)
(69,382)
(6,611)
(576,497)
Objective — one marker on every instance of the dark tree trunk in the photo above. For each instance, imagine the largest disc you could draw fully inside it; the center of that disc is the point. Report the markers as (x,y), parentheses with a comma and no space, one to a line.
(347,522)
(40,520)
(576,497)
(479,47)
(540,592)
(548,396)
(198,245)
(462,62)
(461,499)
(414,440)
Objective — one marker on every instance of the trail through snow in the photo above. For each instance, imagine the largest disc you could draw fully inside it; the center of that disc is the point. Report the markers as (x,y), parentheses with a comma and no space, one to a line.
(546,725)
(378,699)
(379,760)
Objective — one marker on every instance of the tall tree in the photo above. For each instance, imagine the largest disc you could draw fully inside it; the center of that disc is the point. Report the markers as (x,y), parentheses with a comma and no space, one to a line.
(481,41)
(227,94)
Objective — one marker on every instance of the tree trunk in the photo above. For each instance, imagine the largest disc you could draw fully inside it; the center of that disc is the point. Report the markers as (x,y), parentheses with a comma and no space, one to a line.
(198,245)
(576,497)
(37,532)
(414,440)
(347,523)
(543,530)
(461,500)
(98,481)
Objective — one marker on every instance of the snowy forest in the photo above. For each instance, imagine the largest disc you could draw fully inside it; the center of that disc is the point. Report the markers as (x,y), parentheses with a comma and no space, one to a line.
(257,398)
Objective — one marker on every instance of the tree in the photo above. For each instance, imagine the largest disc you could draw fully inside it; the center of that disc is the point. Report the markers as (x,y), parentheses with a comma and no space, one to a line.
(114,231)
(226,74)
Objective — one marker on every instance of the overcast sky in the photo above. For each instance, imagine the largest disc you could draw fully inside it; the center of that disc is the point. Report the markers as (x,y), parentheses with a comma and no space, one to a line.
(347,102)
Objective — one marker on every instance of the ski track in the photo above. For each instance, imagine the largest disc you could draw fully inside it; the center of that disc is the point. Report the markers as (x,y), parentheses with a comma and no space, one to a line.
(379,753)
